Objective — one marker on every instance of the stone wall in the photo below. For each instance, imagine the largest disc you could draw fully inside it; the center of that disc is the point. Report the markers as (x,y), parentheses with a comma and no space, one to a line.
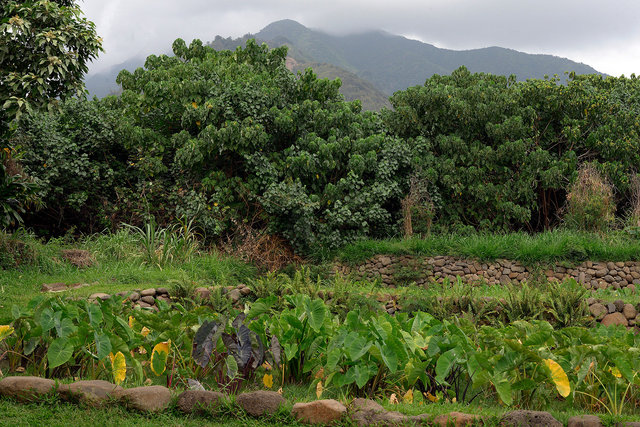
(394,270)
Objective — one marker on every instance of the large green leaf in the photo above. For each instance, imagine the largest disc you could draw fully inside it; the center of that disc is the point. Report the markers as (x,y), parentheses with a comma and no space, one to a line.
(95,314)
(356,346)
(444,364)
(103,345)
(503,387)
(60,351)
(65,327)
(316,312)
(47,321)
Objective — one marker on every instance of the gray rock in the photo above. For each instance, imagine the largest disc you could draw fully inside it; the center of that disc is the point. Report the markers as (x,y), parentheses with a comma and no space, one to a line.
(134,296)
(202,293)
(198,401)
(584,421)
(148,292)
(611,307)
(530,419)
(154,398)
(92,393)
(319,411)
(457,419)
(234,295)
(25,389)
(148,299)
(53,287)
(260,402)
(619,305)
(162,291)
(99,295)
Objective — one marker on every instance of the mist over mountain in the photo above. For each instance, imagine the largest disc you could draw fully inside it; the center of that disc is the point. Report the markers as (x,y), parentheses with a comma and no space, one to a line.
(372,65)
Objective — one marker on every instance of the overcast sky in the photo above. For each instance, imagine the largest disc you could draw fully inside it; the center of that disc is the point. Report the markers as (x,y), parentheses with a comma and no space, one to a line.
(603,34)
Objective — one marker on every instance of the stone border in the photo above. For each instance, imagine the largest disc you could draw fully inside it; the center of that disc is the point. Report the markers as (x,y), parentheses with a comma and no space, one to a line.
(392,268)
(362,412)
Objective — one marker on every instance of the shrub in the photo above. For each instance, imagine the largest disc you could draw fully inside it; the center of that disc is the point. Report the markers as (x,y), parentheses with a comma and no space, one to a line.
(590,204)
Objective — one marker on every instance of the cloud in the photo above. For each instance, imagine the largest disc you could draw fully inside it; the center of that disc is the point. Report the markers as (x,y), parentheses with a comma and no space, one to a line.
(602,34)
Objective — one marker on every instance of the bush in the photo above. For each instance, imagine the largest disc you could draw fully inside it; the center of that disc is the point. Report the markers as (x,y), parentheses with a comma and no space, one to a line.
(590,204)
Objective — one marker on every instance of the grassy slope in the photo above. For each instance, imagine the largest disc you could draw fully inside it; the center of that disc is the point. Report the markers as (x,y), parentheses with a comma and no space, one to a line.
(547,247)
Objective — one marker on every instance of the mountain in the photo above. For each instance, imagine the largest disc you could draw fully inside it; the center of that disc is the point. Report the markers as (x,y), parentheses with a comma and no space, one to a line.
(373,65)
(394,62)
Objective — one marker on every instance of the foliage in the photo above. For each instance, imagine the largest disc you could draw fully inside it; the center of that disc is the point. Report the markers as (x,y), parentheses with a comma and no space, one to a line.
(17,190)
(45,47)
(590,204)
(500,153)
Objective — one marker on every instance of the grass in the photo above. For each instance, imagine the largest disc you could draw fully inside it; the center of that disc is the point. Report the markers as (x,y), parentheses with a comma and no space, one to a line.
(120,266)
(546,247)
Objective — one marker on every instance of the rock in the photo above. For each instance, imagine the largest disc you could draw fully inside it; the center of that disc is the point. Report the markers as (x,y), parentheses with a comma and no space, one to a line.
(153,398)
(53,287)
(319,411)
(148,292)
(598,310)
(608,278)
(92,393)
(134,296)
(591,301)
(78,257)
(148,299)
(260,402)
(234,295)
(144,304)
(99,295)
(619,305)
(26,389)
(584,421)
(457,419)
(529,419)
(366,411)
(611,307)
(245,291)
(162,291)
(197,401)
(614,319)
(202,293)
(629,311)
(385,260)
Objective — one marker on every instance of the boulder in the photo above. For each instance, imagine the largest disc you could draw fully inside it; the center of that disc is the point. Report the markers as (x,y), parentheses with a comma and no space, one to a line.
(319,412)
(26,389)
(366,411)
(202,293)
(584,421)
(529,419)
(198,401)
(151,292)
(598,310)
(629,311)
(153,398)
(234,295)
(615,319)
(99,295)
(92,393)
(457,419)
(260,402)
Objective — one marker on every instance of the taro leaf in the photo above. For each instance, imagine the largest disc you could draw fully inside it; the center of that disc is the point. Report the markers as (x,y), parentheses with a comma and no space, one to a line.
(316,312)
(5,331)
(103,345)
(356,346)
(261,306)
(31,345)
(232,367)
(257,350)
(240,346)
(238,321)
(95,314)
(205,341)
(59,352)
(276,350)
(194,385)
(46,319)
(65,327)
(503,388)
(444,364)
(159,357)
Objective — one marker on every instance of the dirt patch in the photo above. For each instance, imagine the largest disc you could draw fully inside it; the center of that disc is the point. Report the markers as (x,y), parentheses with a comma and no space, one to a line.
(78,257)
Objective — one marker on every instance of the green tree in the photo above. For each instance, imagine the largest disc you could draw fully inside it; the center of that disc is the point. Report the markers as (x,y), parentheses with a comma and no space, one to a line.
(45,46)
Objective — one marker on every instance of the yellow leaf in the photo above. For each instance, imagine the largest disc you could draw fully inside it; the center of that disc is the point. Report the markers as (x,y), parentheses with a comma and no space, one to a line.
(131,319)
(5,331)
(320,374)
(280,391)
(119,367)
(431,397)
(319,389)
(159,356)
(145,331)
(266,365)
(559,377)
(194,105)
(393,399)
(267,380)
(197,122)
(408,396)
